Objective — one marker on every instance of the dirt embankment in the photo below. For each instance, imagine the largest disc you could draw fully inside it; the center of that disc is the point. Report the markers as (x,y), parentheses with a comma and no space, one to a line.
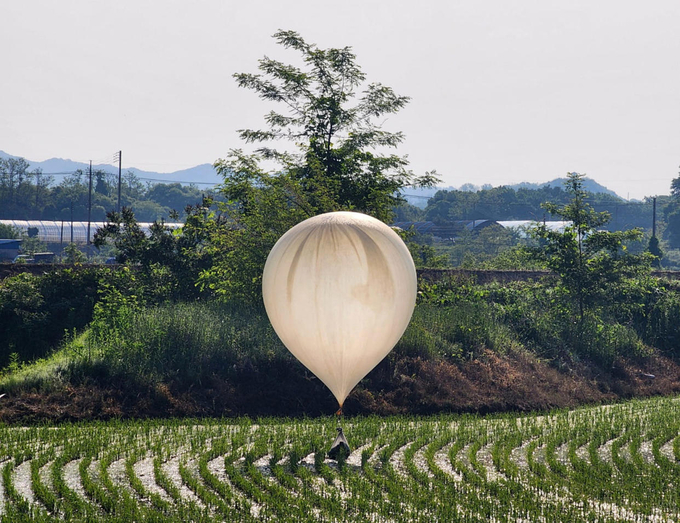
(493,383)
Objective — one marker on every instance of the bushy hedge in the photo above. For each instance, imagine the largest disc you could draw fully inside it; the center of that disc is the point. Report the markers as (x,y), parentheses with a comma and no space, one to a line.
(185,342)
(37,310)
(643,314)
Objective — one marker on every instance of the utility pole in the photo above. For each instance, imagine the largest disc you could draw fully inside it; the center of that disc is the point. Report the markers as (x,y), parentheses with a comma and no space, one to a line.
(120,163)
(37,187)
(71,221)
(89,206)
(654,217)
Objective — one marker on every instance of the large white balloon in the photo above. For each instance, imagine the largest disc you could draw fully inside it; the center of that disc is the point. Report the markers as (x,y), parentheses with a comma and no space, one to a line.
(339,289)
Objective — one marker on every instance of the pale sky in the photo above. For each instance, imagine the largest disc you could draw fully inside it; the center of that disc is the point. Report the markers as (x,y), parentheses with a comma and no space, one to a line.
(502,91)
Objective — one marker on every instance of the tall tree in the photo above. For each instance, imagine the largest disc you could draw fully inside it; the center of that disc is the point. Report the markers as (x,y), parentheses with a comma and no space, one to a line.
(336,129)
(675,187)
(13,172)
(338,159)
(17,193)
(588,260)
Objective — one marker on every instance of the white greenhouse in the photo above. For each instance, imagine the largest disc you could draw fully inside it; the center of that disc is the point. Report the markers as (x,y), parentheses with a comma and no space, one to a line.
(66,232)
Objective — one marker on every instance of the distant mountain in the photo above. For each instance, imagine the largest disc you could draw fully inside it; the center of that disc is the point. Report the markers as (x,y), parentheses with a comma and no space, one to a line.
(589,185)
(419,196)
(203,175)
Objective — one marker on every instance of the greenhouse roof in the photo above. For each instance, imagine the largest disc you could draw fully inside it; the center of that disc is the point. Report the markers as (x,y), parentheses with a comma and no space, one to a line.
(63,231)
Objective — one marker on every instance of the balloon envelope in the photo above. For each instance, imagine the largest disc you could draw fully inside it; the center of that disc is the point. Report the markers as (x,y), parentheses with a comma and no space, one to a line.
(339,290)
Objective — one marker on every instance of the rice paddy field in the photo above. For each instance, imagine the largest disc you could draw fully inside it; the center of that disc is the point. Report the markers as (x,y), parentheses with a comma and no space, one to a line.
(608,463)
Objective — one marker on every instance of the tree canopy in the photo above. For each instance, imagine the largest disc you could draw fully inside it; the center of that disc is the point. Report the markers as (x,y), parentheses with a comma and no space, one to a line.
(32,195)
(587,259)
(337,157)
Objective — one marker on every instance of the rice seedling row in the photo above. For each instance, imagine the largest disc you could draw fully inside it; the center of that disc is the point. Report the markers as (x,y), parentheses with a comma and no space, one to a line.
(605,464)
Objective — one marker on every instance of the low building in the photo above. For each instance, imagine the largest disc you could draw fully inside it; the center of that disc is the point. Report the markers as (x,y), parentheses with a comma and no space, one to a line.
(9,249)
(446,231)
(523,226)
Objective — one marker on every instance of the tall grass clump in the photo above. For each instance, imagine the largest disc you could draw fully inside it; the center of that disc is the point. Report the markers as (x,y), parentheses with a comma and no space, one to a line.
(544,322)
(457,331)
(461,318)
(36,310)
(660,326)
(186,342)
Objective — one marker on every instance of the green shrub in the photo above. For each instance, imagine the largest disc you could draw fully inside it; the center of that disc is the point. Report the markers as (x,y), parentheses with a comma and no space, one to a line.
(603,342)
(36,310)
(662,326)
(455,331)
(186,342)
(423,337)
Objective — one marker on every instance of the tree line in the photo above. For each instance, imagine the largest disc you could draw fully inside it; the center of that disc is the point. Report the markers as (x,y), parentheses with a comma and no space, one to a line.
(27,194)
(507,203)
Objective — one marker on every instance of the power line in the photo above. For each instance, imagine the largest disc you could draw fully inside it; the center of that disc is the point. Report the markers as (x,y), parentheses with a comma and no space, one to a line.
(83,173)
(177,181)
(106,160)
(416,196)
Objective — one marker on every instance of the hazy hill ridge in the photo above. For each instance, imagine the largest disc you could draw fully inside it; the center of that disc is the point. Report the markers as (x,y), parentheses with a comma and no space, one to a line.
(203,174)
(419,196)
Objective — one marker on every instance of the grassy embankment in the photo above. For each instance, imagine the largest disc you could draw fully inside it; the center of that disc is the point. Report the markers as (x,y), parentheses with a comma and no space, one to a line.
(470,348)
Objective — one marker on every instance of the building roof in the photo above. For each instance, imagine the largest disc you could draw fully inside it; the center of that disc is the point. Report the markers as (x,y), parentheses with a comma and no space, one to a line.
(10,243)
(448,230)
(555,225)
(420,227)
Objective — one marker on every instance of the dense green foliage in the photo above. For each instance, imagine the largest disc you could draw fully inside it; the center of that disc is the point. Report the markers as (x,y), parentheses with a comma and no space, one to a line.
(600,308)
(73,255)
(642,314)
(456,320)
(486,248)
(184,342)
(7,232)
(36,311)
(505,203)
(606,464)
(168,261)
(590,262)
